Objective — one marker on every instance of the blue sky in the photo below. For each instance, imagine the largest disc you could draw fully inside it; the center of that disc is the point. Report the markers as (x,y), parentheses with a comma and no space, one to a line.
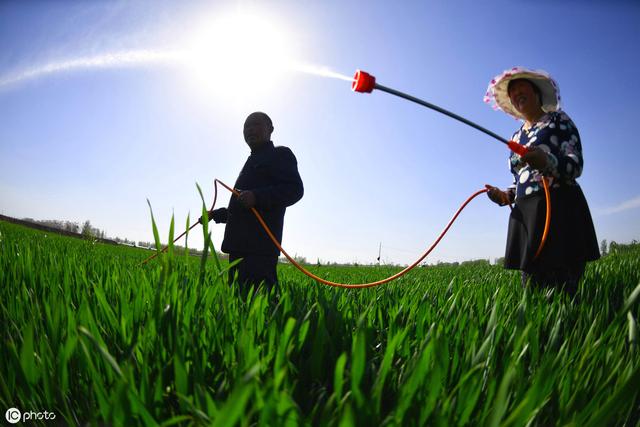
(97,114)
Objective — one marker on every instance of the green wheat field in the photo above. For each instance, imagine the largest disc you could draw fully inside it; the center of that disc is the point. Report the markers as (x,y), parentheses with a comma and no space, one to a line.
(95,337)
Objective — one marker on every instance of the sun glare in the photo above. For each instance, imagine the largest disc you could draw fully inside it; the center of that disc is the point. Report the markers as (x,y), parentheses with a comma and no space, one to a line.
(238,55)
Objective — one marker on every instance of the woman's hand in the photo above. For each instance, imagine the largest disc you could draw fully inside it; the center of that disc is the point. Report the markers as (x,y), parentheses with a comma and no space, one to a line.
(497,196)
(536,158)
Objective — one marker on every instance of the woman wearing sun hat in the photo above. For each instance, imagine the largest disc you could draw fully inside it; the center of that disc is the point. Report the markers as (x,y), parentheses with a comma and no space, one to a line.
(555,153)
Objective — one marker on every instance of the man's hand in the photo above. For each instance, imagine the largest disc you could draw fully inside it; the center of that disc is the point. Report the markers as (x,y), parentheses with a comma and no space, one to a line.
(536,158)
(496,195)
(247,199)
(217,215)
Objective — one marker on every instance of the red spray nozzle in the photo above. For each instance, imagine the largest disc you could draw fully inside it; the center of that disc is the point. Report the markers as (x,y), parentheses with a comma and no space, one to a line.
(517,148)
(363,82)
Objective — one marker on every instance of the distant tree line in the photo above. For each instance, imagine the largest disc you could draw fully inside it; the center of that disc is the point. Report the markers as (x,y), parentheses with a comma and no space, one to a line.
(299,259)
(177,248)
(70,226)
(615,247)
(471,262)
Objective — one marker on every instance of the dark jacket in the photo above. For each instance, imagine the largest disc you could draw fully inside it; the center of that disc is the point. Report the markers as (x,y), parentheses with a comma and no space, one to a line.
(271,173)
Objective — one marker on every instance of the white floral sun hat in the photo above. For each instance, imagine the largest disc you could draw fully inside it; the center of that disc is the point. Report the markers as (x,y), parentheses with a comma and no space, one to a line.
(497,90)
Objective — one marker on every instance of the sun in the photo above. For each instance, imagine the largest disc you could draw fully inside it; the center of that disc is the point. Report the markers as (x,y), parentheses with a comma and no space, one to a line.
(238,55)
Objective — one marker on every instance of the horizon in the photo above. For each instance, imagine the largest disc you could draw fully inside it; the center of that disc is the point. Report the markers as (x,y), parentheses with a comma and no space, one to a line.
(149,245)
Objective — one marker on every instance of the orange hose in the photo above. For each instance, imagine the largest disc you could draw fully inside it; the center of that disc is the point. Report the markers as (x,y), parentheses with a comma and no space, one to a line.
(371,284)
(547,219)
(345,285)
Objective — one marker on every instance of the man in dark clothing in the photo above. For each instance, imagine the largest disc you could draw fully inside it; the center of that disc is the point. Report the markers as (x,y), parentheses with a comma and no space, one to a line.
(268,181)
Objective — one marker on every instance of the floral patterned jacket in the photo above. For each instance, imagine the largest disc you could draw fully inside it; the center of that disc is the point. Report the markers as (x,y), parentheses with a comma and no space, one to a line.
(557,135)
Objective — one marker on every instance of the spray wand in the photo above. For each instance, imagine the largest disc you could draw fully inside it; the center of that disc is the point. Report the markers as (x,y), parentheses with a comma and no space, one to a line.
(364,82)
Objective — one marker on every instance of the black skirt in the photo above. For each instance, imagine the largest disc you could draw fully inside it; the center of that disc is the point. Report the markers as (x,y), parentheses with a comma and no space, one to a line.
(571,239)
